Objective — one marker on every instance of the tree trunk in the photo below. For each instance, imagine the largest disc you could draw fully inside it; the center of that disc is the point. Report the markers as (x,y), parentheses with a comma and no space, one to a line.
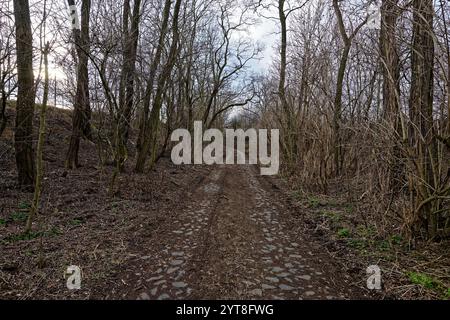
(82,111)
(421,110)
(143,122)
(3,118)
(290,135)
(391,87)
(23,139)
(151,134)
(130,42)
(40,145)
(390,62)
(337,112)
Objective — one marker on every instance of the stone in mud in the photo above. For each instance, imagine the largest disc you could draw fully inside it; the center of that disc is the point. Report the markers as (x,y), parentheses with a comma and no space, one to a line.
(256,292)
(267,286)
(172,270)
(164,296)
(179,284)
(273,279)
(277,269)
(285,287)
(155,278)
(176,262)
(144,296)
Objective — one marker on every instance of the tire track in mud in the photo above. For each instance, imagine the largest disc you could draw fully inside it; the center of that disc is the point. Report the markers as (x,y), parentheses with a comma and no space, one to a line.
(183,251)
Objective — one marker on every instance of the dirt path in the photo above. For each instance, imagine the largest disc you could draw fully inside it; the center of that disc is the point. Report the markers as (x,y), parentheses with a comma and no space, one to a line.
(233,241)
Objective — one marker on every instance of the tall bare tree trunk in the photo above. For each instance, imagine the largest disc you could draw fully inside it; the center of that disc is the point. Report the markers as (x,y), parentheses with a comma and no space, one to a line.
(143,121)
(290,127)
(130,42)
(390,61)
(337,114)
(3,118)
(82,111)
(391,85)
(150,142)
(23,139)
(421,111)
(40,145)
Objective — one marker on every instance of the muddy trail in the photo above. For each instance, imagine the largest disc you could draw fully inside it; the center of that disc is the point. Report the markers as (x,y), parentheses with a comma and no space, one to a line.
(234,240)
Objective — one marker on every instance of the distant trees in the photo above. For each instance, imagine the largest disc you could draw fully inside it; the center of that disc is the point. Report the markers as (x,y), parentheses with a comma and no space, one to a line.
(8,81)
(23,139)
(370,107)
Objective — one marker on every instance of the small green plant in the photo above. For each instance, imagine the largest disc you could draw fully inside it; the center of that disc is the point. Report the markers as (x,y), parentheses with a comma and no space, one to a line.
(19,216)
(357,243)
(22,237)
(343,233)
(396,239)
(31,235)
(2,222)
(313,202)
(349,208)
(423,280)
(383,245)
(447,294)
(333,216)
(365,232)
(54,231)
(24,206)
(297,195)
(76,222)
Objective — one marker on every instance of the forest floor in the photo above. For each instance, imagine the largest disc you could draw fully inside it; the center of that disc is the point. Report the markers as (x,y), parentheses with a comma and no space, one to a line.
(196,232)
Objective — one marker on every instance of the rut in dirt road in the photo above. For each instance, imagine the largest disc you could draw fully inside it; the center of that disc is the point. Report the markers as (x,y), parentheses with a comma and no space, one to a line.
(233,242)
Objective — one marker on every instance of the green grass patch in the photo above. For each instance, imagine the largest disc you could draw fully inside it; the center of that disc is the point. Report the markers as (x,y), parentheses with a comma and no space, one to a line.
(447,294)
(313,202)
(396,239)
(2,222)
(22,237)
(76,222)
(429,282)
(358,243)
(31,235)
(24,206)
(349,208)
(343,233)
(19,216)
(423,280)
(365,232)
(332,215)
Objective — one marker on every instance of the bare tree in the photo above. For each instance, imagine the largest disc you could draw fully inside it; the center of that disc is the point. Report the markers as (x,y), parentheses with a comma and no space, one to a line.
(422,137)
(126,94)
(23,140)
(347,40)
(82,112)
(150,143)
